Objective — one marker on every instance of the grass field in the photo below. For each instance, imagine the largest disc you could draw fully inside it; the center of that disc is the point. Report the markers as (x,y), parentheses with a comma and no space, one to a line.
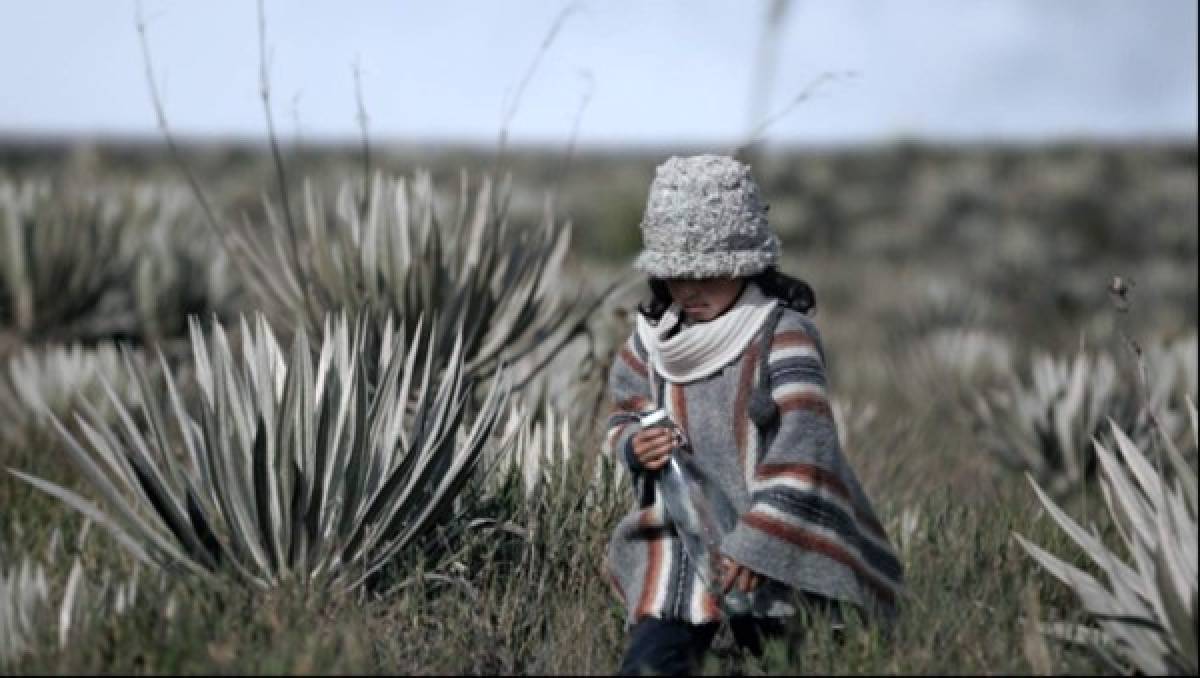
(910,249)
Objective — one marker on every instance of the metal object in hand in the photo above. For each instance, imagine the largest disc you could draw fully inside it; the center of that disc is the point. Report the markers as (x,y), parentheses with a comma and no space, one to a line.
(702,514)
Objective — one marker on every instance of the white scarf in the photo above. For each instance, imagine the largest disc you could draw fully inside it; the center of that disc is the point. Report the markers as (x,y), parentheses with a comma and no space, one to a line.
(701,349)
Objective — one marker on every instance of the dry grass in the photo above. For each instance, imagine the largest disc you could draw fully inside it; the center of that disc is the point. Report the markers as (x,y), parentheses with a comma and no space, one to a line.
(506,603)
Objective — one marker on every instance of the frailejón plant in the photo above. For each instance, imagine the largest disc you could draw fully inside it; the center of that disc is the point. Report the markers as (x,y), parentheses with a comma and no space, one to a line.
(53,381)
(1145,610)
(399,257)
(181,269)
(64,259)
(1045,427)
(282,468)
(37,608)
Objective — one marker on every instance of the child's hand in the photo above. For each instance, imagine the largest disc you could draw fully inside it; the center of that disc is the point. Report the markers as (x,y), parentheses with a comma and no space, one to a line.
(734,573)
(652,447)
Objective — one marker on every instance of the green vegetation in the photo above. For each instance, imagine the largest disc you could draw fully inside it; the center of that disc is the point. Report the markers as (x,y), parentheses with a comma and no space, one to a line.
(1146,614)
(940,274)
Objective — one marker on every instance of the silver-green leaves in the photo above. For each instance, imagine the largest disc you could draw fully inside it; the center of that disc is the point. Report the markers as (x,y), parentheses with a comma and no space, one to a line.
(37,609)
(500,285)
(108,260)
(23,602)
(38,384)
(1146,614)
(63,259)
(181,269)
(282,468)
(1045,427)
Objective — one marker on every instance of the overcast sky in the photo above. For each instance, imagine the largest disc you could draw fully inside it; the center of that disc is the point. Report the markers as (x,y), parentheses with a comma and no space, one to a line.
(651,71)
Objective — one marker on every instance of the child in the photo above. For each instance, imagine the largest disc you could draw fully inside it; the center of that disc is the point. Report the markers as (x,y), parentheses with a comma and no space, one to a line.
(725,346)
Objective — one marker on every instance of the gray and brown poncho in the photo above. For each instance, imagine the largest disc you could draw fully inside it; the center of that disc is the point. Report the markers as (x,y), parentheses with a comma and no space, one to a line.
(804,523)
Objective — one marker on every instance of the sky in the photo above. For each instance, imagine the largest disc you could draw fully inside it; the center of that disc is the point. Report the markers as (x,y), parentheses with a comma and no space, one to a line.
(614,71)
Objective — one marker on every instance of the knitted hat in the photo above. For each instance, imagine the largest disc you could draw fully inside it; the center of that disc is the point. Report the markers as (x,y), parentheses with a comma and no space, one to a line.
(704,218)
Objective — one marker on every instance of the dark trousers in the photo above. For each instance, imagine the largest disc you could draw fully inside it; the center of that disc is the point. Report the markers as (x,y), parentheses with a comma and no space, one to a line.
(671,647)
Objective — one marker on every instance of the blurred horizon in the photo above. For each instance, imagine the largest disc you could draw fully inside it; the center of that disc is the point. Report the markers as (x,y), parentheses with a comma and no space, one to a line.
(663,74)
(153,142)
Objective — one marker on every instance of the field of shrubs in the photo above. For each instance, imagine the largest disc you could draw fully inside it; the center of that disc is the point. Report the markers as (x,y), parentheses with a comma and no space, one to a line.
(348,418)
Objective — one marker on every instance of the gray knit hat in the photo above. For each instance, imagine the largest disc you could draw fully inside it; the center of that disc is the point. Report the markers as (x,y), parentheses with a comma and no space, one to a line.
(704,218)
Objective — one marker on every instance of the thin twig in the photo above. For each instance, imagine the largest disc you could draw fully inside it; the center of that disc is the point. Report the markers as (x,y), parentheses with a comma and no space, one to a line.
(805,94)
(362,120)
(572,141)
(513,103)
(1144,387)
(766,58)
(511,110)
(1123,304)
(161,116)
(264,90)
(210,216)
(298,130)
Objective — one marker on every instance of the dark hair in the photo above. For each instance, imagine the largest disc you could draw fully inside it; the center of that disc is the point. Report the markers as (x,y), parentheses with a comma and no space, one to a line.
(795,293)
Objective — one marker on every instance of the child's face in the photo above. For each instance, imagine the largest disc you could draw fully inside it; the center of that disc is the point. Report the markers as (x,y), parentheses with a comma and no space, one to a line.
(706,298)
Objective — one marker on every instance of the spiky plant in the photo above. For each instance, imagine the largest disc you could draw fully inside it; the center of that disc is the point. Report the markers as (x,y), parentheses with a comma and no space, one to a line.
(943,340)
(1145,610)
(959,355)
(939,305)
(52,381)
(400,256)
(905,525)
(852,421)
(23,602)
(34,606)
(1045,427)
(542,445)
(1170,378)
(64,260)
(575,380)
(181,270)
(284,469)
(1186,351)
(541,457)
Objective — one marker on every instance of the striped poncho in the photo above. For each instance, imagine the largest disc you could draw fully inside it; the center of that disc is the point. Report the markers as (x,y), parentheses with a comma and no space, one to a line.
(804,522)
